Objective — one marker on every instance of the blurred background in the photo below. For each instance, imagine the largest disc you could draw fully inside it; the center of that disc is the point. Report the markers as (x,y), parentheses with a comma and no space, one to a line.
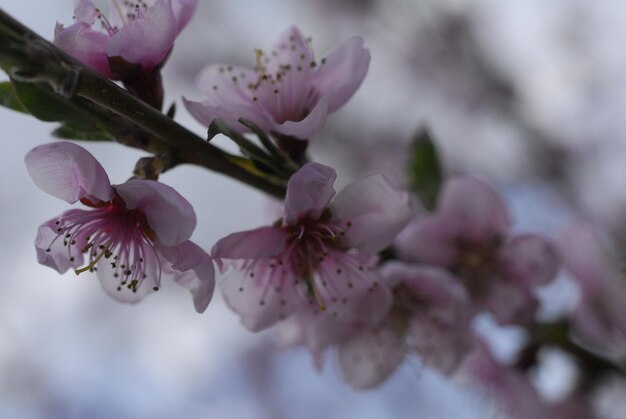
(530,95)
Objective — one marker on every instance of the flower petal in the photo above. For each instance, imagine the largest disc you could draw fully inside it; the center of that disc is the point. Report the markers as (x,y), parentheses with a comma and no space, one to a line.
(262,293)
(51,250)
(183,11)
(226,83)
(307,127)
(433,286)
(475,208)
(147,39)
(309,191)
(169,214)
(211,109)
(259,243)
(530,260)
(85,11)
(342,72)
(191,268)
(511,304)
(374,212)
(349,288)
(292,49)
(438,326)
(68,172)
(117,285)
(370,357)
(427,240)
(600,316)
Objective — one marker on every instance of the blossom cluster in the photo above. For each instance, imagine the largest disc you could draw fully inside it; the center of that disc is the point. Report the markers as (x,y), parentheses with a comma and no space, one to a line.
(366,273)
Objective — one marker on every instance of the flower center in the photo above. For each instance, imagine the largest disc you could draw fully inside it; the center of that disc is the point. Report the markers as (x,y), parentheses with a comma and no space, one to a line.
(283,83)
(478,264)
(110,232)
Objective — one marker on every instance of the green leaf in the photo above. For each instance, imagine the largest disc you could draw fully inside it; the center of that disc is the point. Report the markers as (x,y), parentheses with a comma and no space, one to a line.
(78,120)
(425,171)
(8,98)
(246,146)
(278,155)
(69,132)
(46,105)
(253,168)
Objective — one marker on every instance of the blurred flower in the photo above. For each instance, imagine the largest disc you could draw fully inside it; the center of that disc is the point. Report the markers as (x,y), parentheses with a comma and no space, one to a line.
(514,391)
(430,316)
(469,234)
(132,233)
(288,92)
(600,315)
(318,261)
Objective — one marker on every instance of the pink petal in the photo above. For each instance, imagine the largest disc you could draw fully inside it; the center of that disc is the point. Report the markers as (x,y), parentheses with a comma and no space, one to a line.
(511,304)
(169,214)
(440,345)
(350,289)
(342,72)
(309,191)
(227,98)
(307,127)
(211,109)
(475,208)
(438,326)
(261,295)
(51,251)
(427,240)
(183,11)
(600,316)
(530,260)
(510,386)
(68,172)
(84,44)
(147,39)
(192,268)
(292,49)
(370,357)
(374,212)
(112,284)
(602,321)
(259,243)
(86,12)
(226,83)
(433,286)
(587,258)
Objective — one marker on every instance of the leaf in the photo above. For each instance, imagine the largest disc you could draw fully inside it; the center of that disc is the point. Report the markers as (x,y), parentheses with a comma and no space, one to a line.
(425,171)
(69,132)
(278,155)
(78,121)
(252,167)
(8,98)
(246,146)
(46,105)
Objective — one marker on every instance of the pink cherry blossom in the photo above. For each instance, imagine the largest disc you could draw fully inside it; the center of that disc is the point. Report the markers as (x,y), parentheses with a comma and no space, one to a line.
(288,92)
(430,316)
(470,235)
(320,258)
(140,32)
(600,315)
(130,234)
